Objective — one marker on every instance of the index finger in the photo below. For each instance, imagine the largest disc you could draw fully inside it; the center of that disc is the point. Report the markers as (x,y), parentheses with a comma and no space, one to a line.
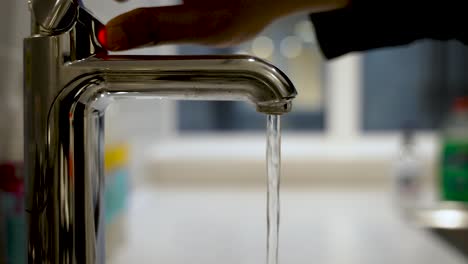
(163,25)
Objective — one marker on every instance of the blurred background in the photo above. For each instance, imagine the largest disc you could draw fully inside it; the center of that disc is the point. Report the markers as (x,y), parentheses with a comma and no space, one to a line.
(186,181)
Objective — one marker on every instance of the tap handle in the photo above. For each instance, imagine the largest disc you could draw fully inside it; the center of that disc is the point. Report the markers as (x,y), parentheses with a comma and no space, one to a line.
(54,16)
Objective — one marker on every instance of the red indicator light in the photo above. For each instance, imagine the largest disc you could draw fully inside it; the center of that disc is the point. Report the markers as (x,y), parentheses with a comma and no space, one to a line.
(102,37)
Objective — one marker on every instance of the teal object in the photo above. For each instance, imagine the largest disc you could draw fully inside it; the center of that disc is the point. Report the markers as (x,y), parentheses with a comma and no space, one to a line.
(15,223)
(2,231)
(116,193)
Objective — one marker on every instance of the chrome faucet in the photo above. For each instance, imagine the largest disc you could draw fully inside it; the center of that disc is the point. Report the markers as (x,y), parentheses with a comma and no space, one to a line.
(69,80)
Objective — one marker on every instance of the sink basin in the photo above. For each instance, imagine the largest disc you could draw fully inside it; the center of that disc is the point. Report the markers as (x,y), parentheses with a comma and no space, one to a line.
(448,221)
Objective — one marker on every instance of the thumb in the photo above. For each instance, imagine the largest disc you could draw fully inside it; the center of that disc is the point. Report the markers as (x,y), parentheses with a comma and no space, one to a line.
(165,25)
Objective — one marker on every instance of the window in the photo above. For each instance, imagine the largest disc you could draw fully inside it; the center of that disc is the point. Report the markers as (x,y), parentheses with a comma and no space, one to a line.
(412,84)
(290,45)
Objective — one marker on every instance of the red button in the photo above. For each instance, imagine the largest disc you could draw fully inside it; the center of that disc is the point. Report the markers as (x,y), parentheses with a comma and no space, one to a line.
(102,37)
(10,180)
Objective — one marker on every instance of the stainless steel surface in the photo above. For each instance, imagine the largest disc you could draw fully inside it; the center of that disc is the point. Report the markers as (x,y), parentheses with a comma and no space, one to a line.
(69,81)
(448,221)
(444,215)
(456,238)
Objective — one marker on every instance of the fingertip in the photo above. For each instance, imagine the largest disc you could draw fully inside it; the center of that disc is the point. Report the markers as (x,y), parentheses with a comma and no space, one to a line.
(134,29)
(114,38)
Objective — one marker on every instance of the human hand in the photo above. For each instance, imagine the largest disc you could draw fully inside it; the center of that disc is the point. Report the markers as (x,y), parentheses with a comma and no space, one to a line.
(217,23)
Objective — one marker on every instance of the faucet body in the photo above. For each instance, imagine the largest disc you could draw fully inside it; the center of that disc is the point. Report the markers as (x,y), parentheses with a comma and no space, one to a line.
(69,81)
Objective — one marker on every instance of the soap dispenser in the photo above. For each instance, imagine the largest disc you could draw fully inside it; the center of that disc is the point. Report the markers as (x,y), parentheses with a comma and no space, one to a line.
(408,181)
(453,160)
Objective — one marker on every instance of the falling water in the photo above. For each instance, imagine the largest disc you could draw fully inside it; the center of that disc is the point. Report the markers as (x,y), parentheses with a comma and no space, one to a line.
(273,175)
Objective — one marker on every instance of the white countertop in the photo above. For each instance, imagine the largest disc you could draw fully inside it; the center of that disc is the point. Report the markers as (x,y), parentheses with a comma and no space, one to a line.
(207,225)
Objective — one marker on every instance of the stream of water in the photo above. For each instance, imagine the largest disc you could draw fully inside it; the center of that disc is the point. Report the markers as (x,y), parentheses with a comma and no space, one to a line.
(273,157)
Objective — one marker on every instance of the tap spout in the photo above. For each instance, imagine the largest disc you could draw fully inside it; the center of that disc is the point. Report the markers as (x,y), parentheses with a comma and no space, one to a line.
(196,78)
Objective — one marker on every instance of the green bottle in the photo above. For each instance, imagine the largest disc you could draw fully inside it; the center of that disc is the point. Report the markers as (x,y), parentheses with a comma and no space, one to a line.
(454,154)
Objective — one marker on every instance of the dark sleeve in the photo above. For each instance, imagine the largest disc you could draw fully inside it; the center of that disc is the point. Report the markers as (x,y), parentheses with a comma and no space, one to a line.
(370,24)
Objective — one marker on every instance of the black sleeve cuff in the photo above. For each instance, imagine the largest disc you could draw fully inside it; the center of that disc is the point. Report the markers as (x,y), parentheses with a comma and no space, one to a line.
(368,24)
